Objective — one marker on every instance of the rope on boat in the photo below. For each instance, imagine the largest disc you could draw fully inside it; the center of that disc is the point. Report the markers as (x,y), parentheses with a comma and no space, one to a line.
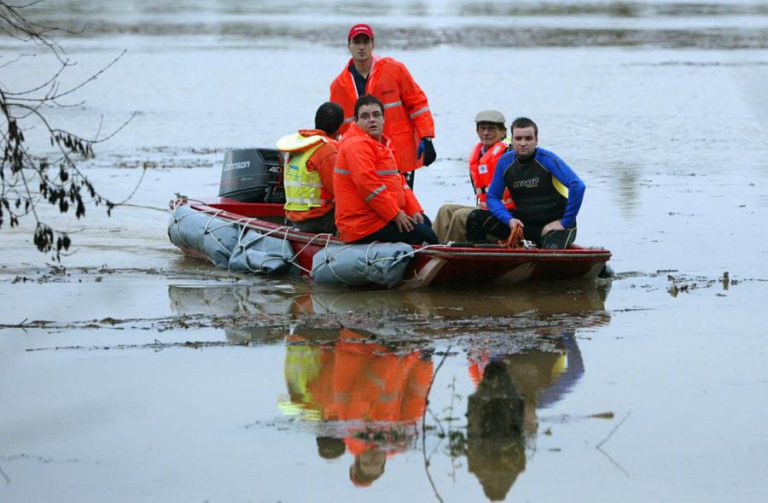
(211,231)
(369,261)
(327,260)
(327,238)
(423,248)
(245,224)
(206,230)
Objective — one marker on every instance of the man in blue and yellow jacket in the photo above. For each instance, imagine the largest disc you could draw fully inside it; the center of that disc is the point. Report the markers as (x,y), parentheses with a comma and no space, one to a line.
(547,194)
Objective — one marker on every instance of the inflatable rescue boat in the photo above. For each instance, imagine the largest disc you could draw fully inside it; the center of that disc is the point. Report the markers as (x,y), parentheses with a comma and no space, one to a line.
(244,230)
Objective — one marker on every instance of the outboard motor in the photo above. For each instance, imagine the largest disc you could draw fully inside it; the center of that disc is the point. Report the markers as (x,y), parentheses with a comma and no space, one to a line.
(253,175)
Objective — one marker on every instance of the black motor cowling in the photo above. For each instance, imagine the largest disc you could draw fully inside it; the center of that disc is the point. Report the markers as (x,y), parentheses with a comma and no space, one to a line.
(253,175)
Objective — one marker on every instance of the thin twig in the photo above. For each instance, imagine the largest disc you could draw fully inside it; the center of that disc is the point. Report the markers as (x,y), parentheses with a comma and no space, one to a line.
(600,445)
(424,428)
(130,196)
(606,439)
(8,63)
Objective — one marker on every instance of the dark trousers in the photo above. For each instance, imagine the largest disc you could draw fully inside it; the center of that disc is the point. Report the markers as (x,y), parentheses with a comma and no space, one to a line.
(421,233)
(321,225)
(409,178)
(482,225)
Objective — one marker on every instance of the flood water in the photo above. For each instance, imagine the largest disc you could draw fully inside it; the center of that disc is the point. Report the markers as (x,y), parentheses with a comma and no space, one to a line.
(131,373)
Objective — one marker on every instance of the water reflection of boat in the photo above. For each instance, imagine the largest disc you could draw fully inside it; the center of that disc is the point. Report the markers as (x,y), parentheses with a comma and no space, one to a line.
(244,236)
(365,398)
(365,394)
(260,309)
(246,300)
(226,300)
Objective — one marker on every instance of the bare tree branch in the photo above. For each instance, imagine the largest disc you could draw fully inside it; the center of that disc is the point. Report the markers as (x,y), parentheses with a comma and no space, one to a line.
(28,179)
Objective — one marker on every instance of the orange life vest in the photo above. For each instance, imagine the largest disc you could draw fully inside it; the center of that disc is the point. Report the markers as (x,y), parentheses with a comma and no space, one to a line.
(481,169)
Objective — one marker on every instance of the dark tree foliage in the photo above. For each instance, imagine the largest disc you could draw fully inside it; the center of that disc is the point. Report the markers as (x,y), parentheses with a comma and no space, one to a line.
(28,179)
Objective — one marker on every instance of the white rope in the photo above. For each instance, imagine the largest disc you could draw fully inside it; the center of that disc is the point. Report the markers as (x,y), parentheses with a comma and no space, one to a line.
(368,260)
(177,220)
(330,264)
(310,242)
(411,253)
(247,223)
(212,230)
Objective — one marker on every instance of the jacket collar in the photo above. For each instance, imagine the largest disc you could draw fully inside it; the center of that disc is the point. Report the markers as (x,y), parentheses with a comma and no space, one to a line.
(355,130)
(376,58)
(306,133)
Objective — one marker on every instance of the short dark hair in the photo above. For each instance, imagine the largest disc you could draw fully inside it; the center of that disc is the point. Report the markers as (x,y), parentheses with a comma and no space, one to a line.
(329,118)
(523,122)
(368,99)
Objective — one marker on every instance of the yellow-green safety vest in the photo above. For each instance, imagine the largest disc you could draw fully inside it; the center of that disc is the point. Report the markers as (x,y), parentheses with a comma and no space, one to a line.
(302,188)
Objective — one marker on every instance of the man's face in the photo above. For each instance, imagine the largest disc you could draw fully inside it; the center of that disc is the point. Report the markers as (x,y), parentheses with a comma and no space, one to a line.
(370,118)
(361,48)
(524,141)
(489,133)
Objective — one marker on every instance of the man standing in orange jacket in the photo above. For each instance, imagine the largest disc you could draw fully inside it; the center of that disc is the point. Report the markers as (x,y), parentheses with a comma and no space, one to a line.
(373,201)
(409,123)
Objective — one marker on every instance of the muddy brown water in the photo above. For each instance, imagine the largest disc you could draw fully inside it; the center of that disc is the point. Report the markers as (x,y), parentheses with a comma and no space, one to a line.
(131,373)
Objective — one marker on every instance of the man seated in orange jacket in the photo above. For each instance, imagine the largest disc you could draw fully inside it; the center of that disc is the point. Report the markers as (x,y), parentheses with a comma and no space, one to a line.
(310,156)
(373,201)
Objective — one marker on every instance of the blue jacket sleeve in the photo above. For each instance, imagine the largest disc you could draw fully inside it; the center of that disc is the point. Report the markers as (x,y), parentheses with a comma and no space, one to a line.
(568,178)
(496,190)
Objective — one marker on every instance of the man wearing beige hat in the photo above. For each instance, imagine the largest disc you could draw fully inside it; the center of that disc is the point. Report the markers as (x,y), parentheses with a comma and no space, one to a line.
(408,122)
(451,221)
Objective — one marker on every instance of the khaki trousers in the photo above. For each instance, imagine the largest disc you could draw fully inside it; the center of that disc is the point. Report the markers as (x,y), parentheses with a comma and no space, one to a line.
(451,222)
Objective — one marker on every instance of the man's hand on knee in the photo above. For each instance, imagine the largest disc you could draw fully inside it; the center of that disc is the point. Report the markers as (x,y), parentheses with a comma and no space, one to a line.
(403,222)
(557,225)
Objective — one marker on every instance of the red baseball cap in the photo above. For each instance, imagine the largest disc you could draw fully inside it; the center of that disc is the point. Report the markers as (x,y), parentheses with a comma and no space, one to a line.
(360,29)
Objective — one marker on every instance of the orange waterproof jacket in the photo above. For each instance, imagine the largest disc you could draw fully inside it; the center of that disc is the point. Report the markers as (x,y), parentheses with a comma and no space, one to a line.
(322,161)
(371,383)
(355,380)
(407,118)
(369,188)
(481,169)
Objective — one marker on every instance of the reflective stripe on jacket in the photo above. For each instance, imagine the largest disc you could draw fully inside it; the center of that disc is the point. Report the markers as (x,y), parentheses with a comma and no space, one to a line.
(481,169)
(407,117)
(369,188)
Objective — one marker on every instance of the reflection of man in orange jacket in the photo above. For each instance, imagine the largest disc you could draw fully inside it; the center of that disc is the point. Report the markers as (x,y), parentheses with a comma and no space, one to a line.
(409,122)
(354,381)
(373,202)
(373,384)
